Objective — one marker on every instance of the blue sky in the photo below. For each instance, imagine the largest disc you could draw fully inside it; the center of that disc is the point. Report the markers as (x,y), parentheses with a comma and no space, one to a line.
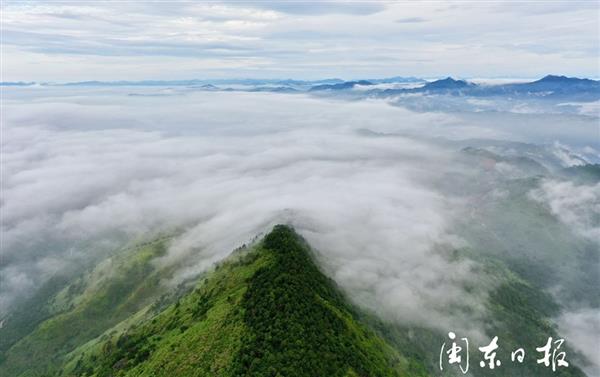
(135,40)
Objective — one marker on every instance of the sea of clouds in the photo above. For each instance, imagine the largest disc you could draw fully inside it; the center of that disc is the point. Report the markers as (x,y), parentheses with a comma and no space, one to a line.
(85,170)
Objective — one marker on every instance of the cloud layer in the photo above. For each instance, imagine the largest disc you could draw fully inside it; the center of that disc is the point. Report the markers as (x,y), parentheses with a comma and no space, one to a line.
(366,202)
(86,170)
(578,206)
(134,40)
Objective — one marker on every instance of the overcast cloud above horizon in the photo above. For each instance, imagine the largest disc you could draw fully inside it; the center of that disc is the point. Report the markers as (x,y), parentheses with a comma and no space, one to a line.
(133,40)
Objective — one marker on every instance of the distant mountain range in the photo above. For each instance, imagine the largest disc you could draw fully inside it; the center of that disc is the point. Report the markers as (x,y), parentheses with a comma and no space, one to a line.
(548,87)
(551,85)
(192,82)
(549,82)
(341,86)
(201,82)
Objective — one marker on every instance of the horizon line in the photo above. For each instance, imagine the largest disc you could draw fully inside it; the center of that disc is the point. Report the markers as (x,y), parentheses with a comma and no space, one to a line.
(411,77)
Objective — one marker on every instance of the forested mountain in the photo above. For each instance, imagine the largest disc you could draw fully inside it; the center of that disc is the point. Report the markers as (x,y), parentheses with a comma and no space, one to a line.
(268,310)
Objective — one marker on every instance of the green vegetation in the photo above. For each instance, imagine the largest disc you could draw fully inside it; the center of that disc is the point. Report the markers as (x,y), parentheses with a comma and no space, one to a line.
(300,325)
(533,243)
(585,174)
(521,315)
(85,309)
(265,312)
(27,315)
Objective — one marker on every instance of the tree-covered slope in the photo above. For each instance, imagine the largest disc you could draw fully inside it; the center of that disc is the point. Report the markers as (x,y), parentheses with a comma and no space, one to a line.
(112,292)
(265,312)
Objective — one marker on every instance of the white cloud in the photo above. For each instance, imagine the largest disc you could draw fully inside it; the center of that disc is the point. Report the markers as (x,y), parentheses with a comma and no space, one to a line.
(366,203)
(85,165)
(576,205)
(582,327)
(146,40)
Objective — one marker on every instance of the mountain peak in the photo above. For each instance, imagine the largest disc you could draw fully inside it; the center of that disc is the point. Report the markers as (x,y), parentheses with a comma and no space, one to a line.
(266,311)
(447,83)
(556,79)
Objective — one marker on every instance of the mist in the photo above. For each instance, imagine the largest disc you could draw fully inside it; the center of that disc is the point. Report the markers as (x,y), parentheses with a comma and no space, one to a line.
(376,189)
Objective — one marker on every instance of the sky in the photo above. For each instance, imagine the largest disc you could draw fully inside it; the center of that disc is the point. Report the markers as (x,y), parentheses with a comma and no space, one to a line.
(134,40)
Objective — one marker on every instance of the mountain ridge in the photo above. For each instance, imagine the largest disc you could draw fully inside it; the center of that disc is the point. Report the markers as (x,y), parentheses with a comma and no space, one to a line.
(285,82)
(265,310)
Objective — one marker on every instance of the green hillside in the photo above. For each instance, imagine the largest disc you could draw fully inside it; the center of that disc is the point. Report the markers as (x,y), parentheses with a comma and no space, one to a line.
(114,291)
(267,311)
